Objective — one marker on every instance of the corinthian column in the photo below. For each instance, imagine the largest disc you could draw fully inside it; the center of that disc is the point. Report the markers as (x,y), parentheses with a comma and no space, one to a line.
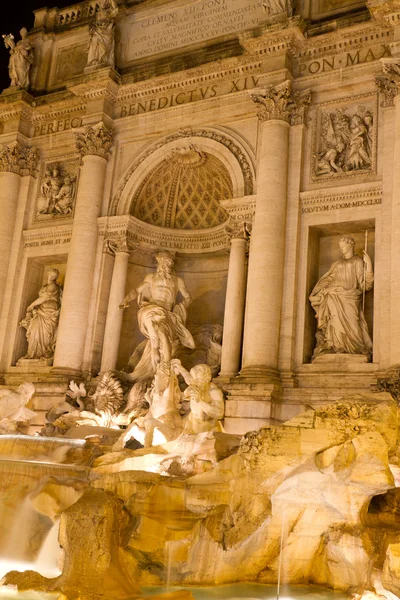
(279,107)
(121,248)
(234,302)
(14,162)
(94,145)
(389,85)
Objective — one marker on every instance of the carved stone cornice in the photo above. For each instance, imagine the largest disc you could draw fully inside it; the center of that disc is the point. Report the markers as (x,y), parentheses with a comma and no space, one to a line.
(389,83)
(151,237)
(15,159)
(94,141)
(282,103)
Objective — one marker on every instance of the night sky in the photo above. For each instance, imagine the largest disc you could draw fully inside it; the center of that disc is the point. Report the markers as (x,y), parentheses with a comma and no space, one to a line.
(16,14)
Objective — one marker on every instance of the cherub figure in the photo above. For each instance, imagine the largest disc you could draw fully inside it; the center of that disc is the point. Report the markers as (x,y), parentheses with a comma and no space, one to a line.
(205,398)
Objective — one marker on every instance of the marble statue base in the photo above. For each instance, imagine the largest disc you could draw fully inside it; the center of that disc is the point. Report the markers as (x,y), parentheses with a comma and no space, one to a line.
(35,362)
(338,358)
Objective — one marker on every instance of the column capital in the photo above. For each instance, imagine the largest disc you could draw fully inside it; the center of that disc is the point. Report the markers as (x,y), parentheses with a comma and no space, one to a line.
(238,230)
(389,83)
(120,244)
(282,103)
(22,161)
(96,140)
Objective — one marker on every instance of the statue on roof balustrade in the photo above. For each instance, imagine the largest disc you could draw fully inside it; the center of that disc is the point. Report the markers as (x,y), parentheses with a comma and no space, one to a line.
(21,59)
(101,36)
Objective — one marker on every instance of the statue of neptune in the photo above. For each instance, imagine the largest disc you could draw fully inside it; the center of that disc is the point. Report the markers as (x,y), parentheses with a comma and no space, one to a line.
(161,318)
(337,301)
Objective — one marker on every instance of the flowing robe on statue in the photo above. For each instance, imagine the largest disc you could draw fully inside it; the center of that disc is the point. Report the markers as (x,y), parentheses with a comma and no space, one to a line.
(42,326)
(336,300)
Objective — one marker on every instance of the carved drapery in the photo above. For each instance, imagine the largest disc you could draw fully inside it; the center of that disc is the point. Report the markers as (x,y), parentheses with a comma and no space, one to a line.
(22,161)
(389,83)
(94,141)
(282,103)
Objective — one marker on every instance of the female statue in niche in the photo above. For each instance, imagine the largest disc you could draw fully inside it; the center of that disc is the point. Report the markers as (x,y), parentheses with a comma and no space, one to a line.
(21,59)
(41,320)
(337,301)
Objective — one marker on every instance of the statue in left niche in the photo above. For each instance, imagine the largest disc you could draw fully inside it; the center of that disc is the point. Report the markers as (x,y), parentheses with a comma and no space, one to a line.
(41,320)
(21,59)
(101,36)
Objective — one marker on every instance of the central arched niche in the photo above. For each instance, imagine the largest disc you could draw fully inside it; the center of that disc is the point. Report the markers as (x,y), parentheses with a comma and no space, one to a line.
(184,191)
(223,156)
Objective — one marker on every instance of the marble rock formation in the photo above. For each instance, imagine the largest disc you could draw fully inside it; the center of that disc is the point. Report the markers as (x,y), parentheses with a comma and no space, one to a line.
(310,480)
(319,488)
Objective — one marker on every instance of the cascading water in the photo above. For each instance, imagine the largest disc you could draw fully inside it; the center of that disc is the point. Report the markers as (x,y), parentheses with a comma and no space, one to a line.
(31,468)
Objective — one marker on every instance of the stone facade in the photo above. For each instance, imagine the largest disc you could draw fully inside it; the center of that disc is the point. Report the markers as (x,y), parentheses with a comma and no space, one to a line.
(246,136)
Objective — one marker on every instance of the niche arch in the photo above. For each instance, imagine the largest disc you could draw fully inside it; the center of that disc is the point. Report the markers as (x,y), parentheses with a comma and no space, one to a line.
(237,159)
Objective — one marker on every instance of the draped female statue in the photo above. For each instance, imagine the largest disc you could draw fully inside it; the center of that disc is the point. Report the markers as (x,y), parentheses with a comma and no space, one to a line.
(337,301)
(41,320)
(101,35)
(21,59)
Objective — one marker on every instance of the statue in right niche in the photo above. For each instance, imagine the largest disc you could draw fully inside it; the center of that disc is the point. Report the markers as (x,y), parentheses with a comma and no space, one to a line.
(337,301)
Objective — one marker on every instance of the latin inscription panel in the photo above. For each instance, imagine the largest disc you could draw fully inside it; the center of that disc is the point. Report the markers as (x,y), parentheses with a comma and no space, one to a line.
(153,32)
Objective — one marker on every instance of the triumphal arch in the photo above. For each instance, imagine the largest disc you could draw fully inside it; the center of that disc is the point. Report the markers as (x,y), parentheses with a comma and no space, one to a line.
(214,181)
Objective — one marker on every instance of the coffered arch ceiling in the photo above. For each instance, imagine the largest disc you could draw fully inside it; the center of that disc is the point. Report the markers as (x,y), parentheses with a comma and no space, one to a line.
(179,182)
(184,191)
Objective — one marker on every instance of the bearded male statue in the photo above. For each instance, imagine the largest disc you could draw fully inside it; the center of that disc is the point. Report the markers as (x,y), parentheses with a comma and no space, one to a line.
(161,317)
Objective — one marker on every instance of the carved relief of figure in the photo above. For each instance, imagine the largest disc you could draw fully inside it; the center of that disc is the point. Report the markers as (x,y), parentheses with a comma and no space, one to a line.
(360,144)
(50,188)
(65,198)
(21,59)
(41,320)
(346,142)
(101,35)
(276,7)
(161,318)
(337,301)
(205,398)
(57,192)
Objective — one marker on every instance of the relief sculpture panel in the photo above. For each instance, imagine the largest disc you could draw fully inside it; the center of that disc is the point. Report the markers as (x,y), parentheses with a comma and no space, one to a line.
(345,140)
(57,191)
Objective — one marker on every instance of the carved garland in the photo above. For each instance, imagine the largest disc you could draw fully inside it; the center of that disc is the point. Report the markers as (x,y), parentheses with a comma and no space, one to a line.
(187,133)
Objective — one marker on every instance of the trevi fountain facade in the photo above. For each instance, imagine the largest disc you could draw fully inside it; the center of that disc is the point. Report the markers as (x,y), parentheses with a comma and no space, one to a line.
(200,301)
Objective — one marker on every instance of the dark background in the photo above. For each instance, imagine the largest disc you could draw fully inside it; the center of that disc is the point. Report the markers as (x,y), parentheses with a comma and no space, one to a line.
(16,14)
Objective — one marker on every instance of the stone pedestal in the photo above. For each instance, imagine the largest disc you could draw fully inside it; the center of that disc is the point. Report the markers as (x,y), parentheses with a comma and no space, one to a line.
(94,146)
(234,306)
(112,332)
